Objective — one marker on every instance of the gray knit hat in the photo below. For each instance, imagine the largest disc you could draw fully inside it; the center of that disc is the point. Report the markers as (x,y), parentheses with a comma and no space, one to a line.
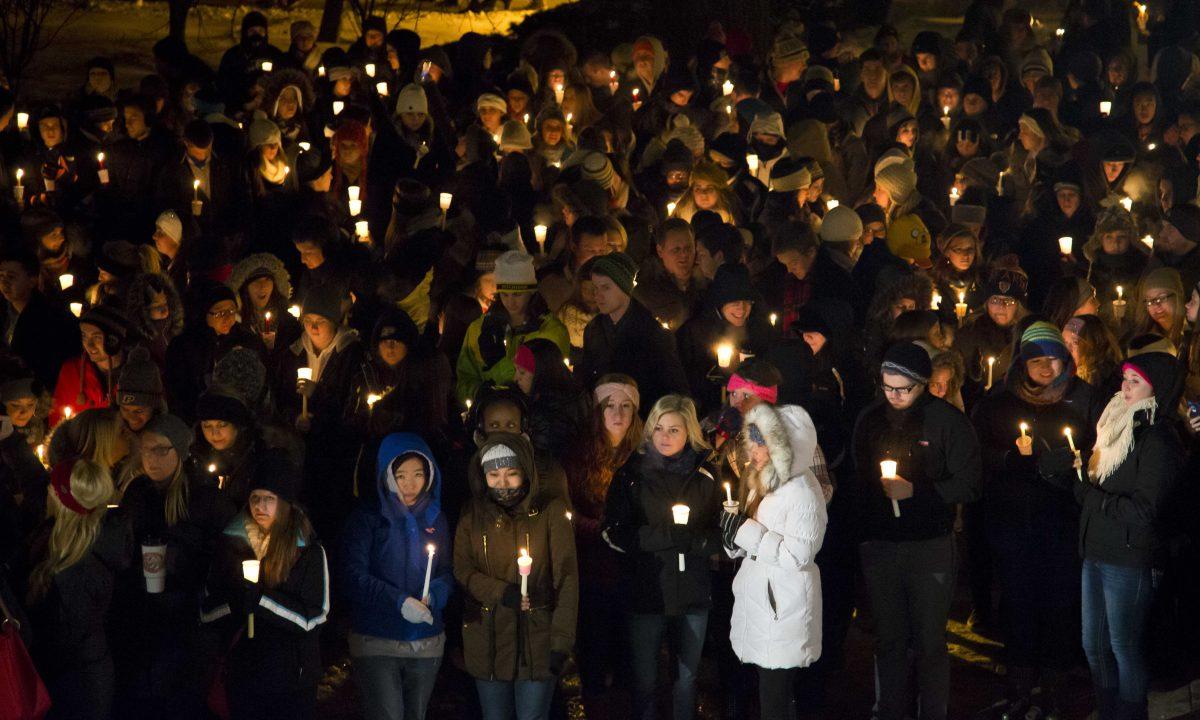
(597,168)
(240,372)
(264,132)
(174,430)
(140,383)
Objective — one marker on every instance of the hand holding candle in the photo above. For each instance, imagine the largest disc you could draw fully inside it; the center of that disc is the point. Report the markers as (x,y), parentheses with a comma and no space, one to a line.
(724,354)
(1064,245)
(960,307)
(730,505)
(250,575)
(991,363)
(680,514)
(1024,442)
(304,375)
(539,234)
(197,203)
(1071,444)
(1119,304)
(887,471)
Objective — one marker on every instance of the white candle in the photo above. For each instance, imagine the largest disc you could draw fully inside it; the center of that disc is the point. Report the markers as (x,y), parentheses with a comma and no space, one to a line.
(361,230)
(1064,244)
(250,574)
(197,203)
(429,571)
(18,189)
(101,171)
(773,318)
(1070,438)
(381,88)
(831,204)
(22,120)
(305,145)
(1105,108)
(1148,241)
(1119,304)
(1000,182)
(680,514)
(76,309)
(1127,203)
(728,493)
(338,106)
(752,163)
(954,196)
(353,192)
(887,470)
(991,362)
(539,234)
(304,373)
(267,66)
(67,412)
(444,201)
(370,68)
(320,71)
(1024,429)
(66,280)
(670,209)
(524,567)
(724,354)
(558,93)
(355,207)
(294,311)
(727,87)
(960,307)
(946,116)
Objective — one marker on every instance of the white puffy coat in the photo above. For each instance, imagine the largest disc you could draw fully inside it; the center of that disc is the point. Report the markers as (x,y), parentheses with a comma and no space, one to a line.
(776,619)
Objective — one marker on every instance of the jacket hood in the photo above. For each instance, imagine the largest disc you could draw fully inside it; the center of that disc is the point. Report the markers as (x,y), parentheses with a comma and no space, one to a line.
(255,265)
(282,79)
(524,450)
(134,307)
(791,439)
(392,447)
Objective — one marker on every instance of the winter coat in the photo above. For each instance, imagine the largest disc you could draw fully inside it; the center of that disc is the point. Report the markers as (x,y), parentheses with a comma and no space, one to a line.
(69,620)
(935,449)
(776,620)
(472,370)
(556,420)
(697,341)
(384,554)
(639,523)
(284,654)
(45,336)
(1120,521)
(79,379)
(501,642)
(657,290)
(191,358)
(336,394)
(636,346)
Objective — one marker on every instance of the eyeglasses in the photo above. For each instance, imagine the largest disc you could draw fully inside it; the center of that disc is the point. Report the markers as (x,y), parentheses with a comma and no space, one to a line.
(222,314)
(1000,301)
(157,451)
(898,391)
(1158,301)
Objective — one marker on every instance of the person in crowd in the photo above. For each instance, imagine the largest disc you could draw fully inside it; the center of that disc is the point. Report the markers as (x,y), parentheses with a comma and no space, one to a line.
(397,599)
(272,670)
(905,518)
(661,512)
(42,333)
(558,408)
(514,556)
(89,381)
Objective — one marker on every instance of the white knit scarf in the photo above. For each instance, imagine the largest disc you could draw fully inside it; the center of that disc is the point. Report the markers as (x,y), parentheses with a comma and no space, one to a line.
(258,540)
(1114,435)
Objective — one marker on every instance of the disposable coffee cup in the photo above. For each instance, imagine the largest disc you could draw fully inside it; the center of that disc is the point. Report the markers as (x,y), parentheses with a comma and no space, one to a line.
(154,565)
(680,514)
(1025,445)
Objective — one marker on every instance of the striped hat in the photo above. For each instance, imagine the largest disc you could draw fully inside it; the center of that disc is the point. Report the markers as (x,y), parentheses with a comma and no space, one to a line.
(499,456)
(1042,339)
(597,168)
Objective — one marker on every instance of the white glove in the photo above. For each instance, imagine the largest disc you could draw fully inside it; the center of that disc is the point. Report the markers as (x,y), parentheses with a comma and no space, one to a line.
(415,611)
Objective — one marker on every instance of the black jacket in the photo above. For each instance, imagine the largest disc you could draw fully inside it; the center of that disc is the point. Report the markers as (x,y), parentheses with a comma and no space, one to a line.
(936,450)
(638,522)
(637,346)
(191,358)
(44,337)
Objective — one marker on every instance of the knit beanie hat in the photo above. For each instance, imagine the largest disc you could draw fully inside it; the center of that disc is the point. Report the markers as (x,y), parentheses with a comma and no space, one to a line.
(260,265)
(240,372)
(491,100)
(118,257)
(618,267)
(980,171)
(264,132)
(254,19)
(220,406)
(908,238)
(954,230)
(1161,370)
(111,321)
(676,156)
(768,123)
(731,284)
(140,383)
(276,473)
(899,181)
(395,324)
(514,137)
(841,224)
(1037,60)
(1163,278)
(1042,339)
(174,430)
(326,301)
(908,359)
(412,99)
(499,456)
(213,293)
(967,214)
(728,147)
(689,135)
(1007,282)
(18,388)
(597,168)
(980,86)
(789,174)
(170,224)
(789,47)
(515,273)
(525,360)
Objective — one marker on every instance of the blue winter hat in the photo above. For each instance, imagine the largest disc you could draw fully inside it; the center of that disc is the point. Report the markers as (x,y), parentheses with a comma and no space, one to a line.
(1041,339)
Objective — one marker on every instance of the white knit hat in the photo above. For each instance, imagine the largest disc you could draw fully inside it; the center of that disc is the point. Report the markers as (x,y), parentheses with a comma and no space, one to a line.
(171,225)
(898,180)
(412,99)
(514,272)
(499,456)
(491,100)
(769,123)
(841,224)
(514,136)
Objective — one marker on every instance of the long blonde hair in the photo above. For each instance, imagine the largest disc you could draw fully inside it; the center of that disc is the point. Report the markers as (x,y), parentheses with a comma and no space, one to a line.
(686,409)
(100,440)
(73,534)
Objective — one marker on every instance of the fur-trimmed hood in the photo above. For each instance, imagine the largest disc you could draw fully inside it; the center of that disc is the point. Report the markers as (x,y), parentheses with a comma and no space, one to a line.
(249,266)
(278,81)
(791,439)
(135,306)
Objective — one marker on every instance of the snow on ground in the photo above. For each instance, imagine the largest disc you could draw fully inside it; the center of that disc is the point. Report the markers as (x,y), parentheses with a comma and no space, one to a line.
(126,32)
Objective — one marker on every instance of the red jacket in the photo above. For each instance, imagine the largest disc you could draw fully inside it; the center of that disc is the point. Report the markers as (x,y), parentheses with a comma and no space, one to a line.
(79,379)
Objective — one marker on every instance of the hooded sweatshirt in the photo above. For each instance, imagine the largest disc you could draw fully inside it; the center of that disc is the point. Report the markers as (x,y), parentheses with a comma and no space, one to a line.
(384,559)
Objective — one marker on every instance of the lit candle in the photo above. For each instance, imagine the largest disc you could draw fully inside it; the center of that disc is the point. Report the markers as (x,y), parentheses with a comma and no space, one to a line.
(539,234)
(18,189)
(680,513)
(570,118)
(66,280)
(1148,241)
(831,204)
(250,575)
(370,68)
(381,88)
(267,66)
(430,549)
(67,412)
(558,93)
(1064,244)
(22,120)
(355,207)
(294,311)
(41,453)
(665,325)
(76,309)
(353,192)
(1071,444)
(304,374)
(305,145)
(991,363)
(338,106)
(1024,442)
(728,493)
(887,470)
(1000,182)
(320,71)
(468,404)
(524,567)
(752,163)
(1152,146)
(960,307)
(946,116)
(670,209)
(372,398)
(935,301)
(727,87)
(444,201)
(1059,32)
(1119,304)
(362,231)
(773,318)
(1024,429)
(954,195)
(1127,203)
(1105,108)
(197,203)
(267,321)
(101,171)
(724,354)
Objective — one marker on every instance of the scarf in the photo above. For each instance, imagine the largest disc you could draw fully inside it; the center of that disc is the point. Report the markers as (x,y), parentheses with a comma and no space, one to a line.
(1114,435)
(258,541)
(273,172)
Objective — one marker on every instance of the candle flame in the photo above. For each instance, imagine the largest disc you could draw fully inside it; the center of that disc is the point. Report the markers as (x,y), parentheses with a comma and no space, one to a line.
(212,467)
(1120,292)
(1024,427)
(430,548)
(524,552)
(196,184)
(99,157)
(991,359)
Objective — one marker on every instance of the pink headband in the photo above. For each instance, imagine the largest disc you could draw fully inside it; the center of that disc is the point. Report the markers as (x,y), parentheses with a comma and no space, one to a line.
(768,394)
(1138,370)
(606,390)
(524,360)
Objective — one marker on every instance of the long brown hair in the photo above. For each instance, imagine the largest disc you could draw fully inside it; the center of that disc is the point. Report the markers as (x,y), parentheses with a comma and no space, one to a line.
(598,459)
(290,528)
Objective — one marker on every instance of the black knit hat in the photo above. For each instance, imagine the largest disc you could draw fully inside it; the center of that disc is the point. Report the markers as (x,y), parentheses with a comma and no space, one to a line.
(240,372)
(395,324)
(731,284)
(1007,282)
(976,85)
(326,301)
(118,257)
(676,156)
(908,359)
(111,321)
(254,19)
(174,430)
(19,387)
(140,383)
(1162,371)
(276,473)
(213,293)
(219,406)
(198,133)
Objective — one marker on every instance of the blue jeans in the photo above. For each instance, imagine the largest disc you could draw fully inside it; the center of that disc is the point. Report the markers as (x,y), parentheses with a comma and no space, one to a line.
(1116,604)
(395,688)
(686,638)
(522,699)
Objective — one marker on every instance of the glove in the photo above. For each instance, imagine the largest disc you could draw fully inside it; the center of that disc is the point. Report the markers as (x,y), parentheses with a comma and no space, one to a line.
(558,661)
(729,424)
(492,332)
(511,597)
(681,537)
(730,524)
(248,595)
(1057,467)
(415,611)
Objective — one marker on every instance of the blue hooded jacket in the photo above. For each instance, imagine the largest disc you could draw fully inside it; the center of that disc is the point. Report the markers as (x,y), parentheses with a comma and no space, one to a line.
(384,555)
